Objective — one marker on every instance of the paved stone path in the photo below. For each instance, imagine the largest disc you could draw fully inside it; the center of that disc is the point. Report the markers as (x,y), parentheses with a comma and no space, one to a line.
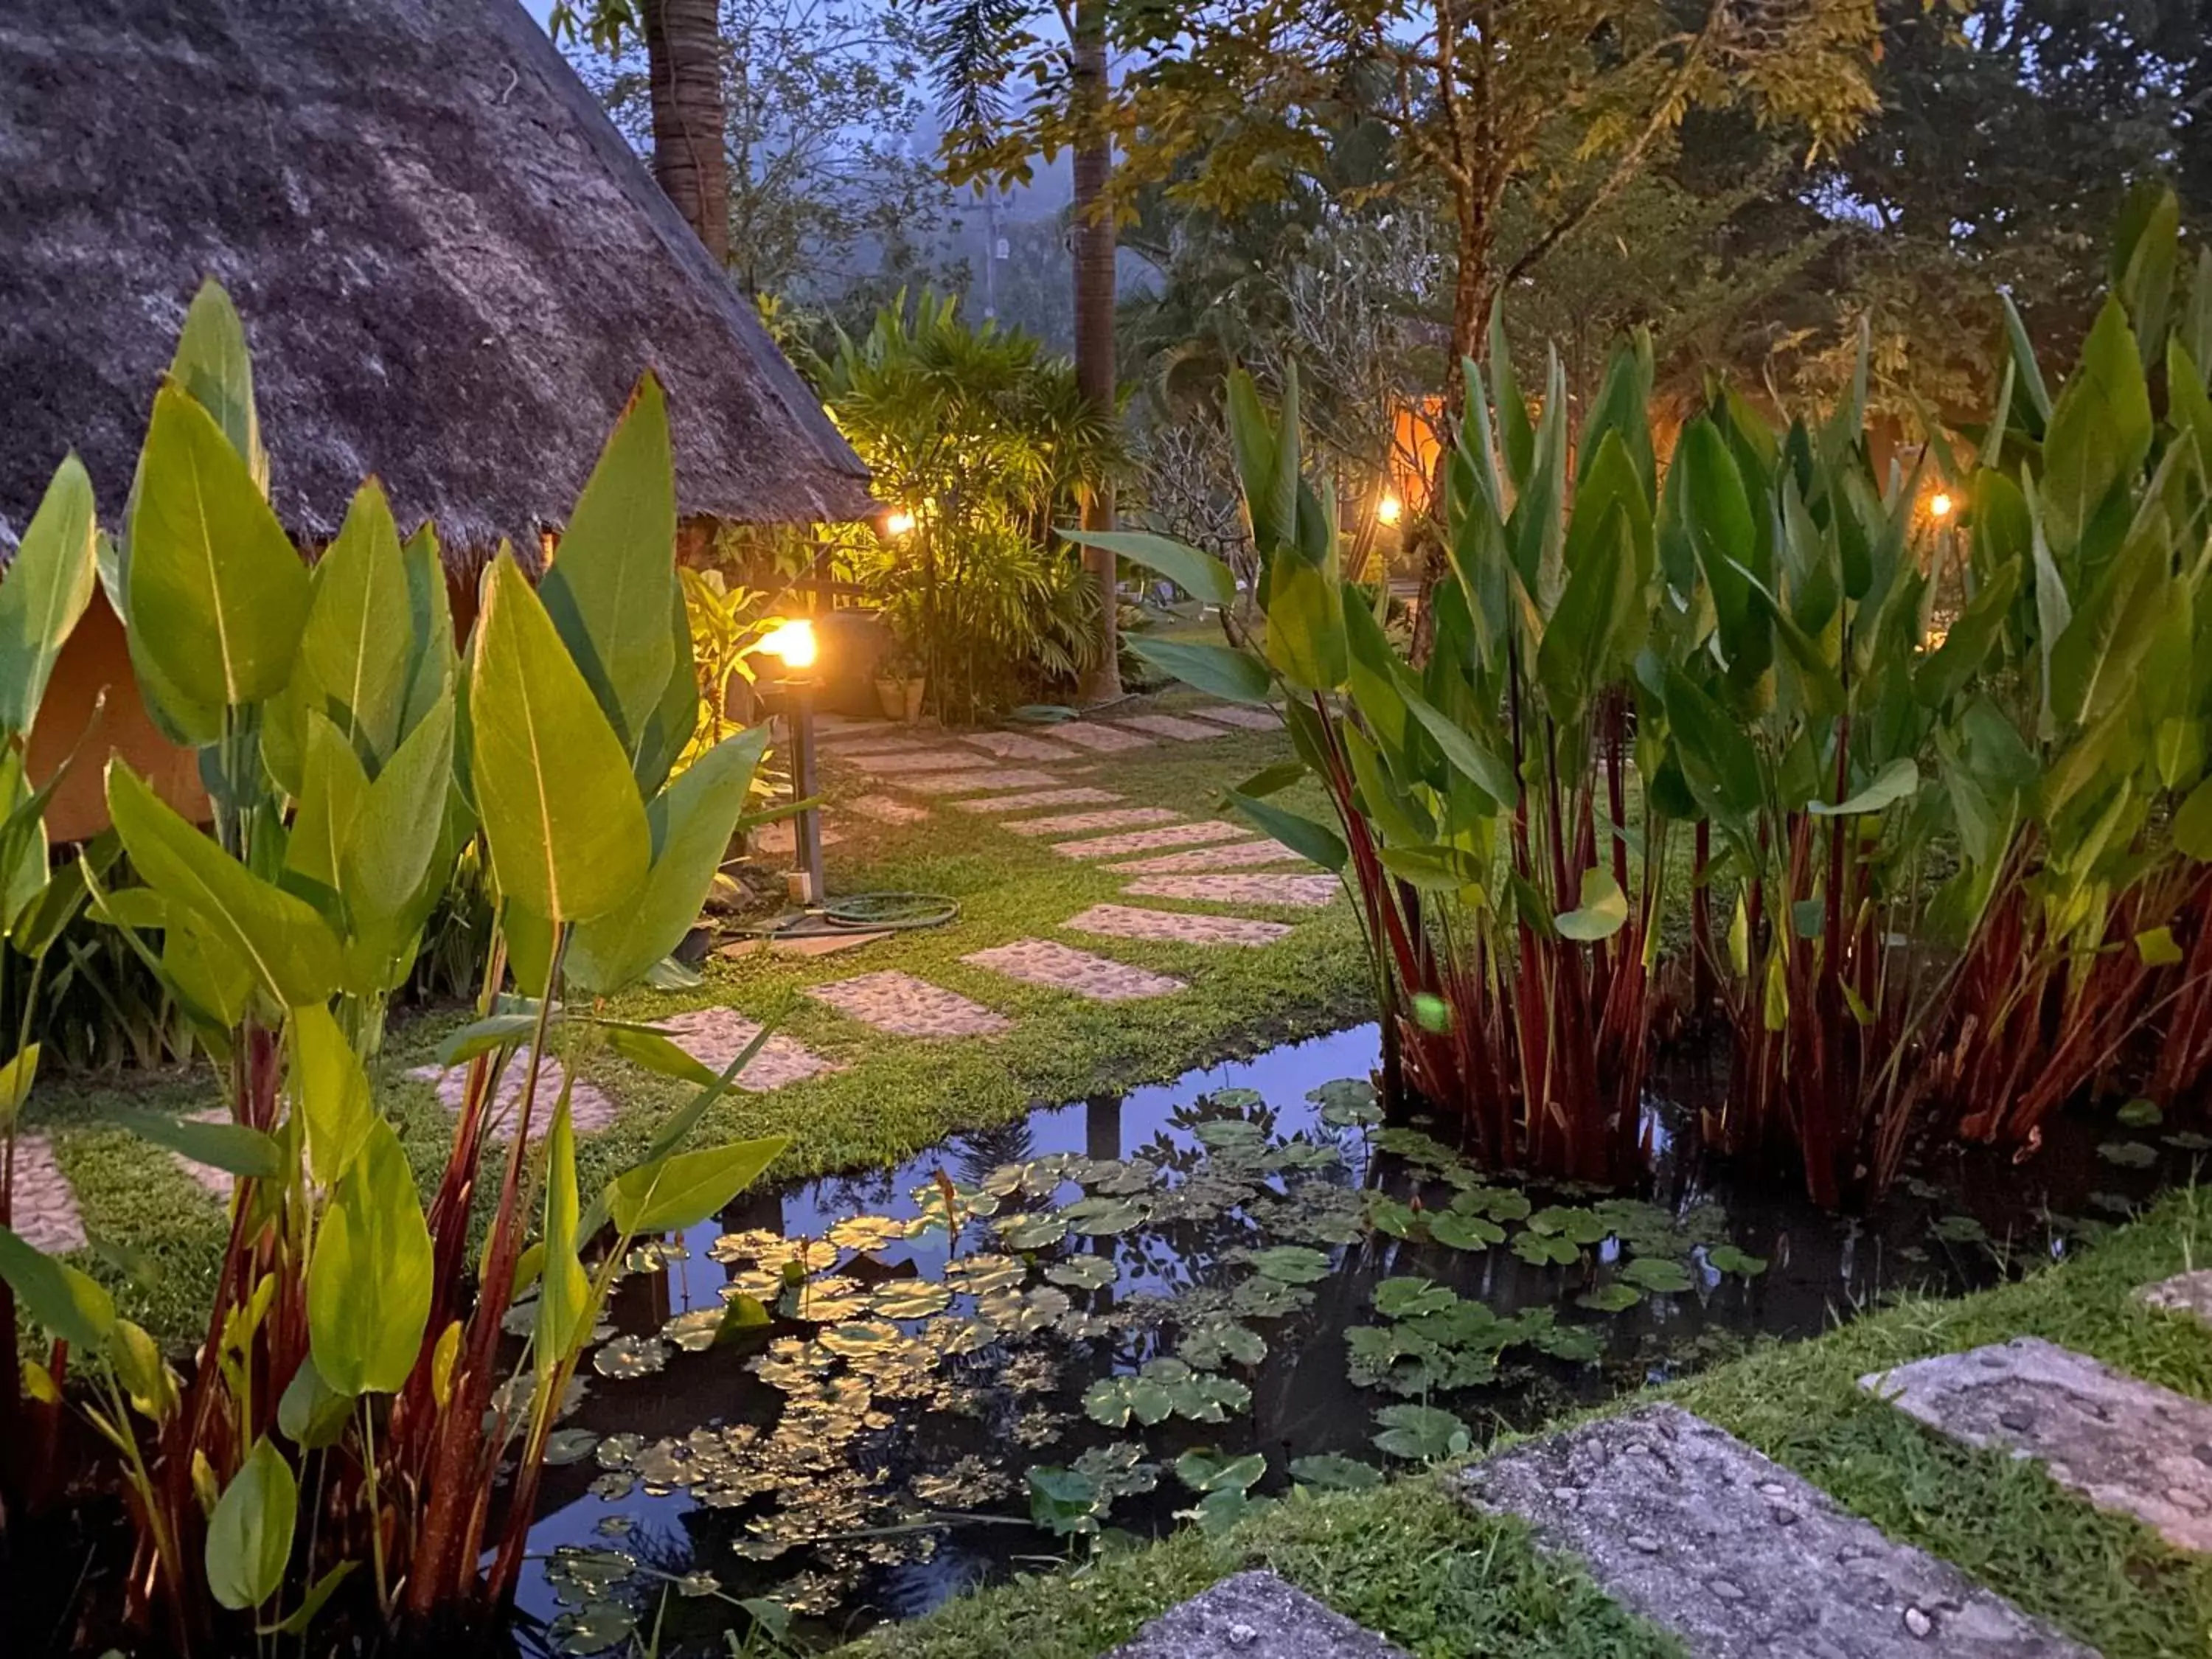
(1739,1557)
(1173,927)
(589,1109)
(1254,1615)
(2124,1444)
(1018,745)
(1104,739)
(219,1184)
(45,1213)
(1246,715)
(2185,1293)
(899,763)
(1170,726)
(1146,840)
(903,1005)
(780,840)
(1033,798)
(1044,961)
(715,1036)
(1309,892)
(1240,856)
(1076,823)
(976,783)
(873,742)
(887,809)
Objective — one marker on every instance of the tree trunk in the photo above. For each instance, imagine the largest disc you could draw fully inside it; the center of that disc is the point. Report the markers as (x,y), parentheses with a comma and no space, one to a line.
(683,53)
(1092,244)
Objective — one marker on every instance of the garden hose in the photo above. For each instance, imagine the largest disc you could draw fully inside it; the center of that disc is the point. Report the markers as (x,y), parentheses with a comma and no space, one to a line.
(862,913)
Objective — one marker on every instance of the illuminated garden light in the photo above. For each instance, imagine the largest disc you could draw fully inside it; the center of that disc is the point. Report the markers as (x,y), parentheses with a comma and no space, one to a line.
(1389,510)
(792,642)
(1939,505)
(898,522)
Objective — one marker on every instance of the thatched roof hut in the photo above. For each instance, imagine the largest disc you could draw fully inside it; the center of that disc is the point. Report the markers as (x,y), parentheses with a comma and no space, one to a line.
(451,266)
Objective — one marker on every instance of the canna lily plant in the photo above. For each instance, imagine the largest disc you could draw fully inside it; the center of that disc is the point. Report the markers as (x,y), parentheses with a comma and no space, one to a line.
(333,1457)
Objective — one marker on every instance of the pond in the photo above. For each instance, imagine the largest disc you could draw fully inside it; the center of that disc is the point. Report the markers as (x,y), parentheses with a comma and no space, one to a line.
(851,1398)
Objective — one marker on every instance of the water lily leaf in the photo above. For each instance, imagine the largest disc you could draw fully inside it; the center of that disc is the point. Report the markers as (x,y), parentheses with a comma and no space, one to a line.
(1227,1134)
(1218,1512)
(1101,1216)
(1576,1224)
(1261,1297)
(1036,1231)
(2141,1113)
(1576,1343)
(1347,1103)
(1397,1219)
(1545,1249)
(910,1298)
(1407,1299)
(1084,1273)
(628,1358)
(2128,1154)
(864,1233)
(978,1275)
(570,1445)
(1205,1397)
(858,1337)
(1462,1231)
(1289,1264)
(1330,1473)
(1205,1471)
(1657,1274)
(1209,1347)
(592,1629)
(1420,1433)
(1727,1259)
(1497,1203)
(1615,1297)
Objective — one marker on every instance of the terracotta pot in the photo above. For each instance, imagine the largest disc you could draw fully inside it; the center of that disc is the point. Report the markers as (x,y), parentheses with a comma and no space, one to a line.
(900,699)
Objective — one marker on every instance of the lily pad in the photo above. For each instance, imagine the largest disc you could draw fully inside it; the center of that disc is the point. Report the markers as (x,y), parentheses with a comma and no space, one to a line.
(1221,1135)
(1499,1203)
(1659,1273)
(628,1357)
(1614,1298)
(861,1336)
(2141,1113)
(1394,1218)
(866,1232)
(978,1275)
(1331,1472)
(1289,1264)
(1261,1297)
(1963,1229)
(1218,1512)
(1408,1298)
(1727,1259)
(1094,1216)
(910,1298)
(1572,1223)
(1462,1231)
(1546,1249)
(1205,1471)
(570,1445)
(2128,1154)
(1031,1230)
(1420,1433)
(1576,1343)
(592,1629)
(1347,1103)
(1084,1273)
(1211,1346)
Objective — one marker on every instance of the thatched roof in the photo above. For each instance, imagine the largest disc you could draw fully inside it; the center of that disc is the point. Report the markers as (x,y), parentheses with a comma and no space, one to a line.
(451,266)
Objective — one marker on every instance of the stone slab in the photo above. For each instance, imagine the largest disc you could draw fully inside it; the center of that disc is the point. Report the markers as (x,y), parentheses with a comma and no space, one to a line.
(1063,968)
(1100,739)
(886,809)
(801,945)
(903,1005)
(1739,1558)
(590,1109)
(1251,719)
(2124,1444)
(1147,841)
(1018,746)
(1242,855)
(780,840)
(715,1036)
(1254,1615)
(1033,798)
(1075,823)
(1173,927)
(44,1213)
(901,762)
(976,782)
(219,1184)
(2185,1293)
(879,740)
(1170,726)
(1304,892)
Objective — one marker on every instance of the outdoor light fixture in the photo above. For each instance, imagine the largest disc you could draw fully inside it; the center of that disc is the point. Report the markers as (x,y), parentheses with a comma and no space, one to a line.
(1389,510)
(792,643)
(898,522)
(1939,505)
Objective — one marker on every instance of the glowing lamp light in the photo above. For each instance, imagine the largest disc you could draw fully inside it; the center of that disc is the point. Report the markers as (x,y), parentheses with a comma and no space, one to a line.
(898,522)
(1939,504)
(1389,510)
(792,641)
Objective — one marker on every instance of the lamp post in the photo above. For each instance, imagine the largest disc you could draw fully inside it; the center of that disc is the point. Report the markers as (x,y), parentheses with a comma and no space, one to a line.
(793,645)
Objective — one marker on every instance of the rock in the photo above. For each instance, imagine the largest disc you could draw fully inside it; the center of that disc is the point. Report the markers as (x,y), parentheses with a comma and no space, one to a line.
(1254,1615)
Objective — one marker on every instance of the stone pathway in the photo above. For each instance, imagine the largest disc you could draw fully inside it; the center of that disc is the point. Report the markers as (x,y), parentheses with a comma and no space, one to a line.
(1170,726)
(1076,823)
(841,747)
(886,809)
(1032,798)
(1146,840)
(903,1005)
(901,762)
(46,1213)
(1241,855)
(1254,1615)
(1173,927)
(1241,714)
(589,1107)
(1309,892)
(219,1184)
(780,840)
(1043,962)
(715,1036)
(2125,1445)
(976,783)
(1739,1557)
(1018,745)
(1102,739)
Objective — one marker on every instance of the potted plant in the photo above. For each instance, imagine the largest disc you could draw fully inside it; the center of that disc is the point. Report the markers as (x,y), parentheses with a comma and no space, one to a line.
(900,679)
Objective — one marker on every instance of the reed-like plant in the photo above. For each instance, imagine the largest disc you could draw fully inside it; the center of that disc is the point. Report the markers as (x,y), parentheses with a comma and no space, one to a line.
(355,1448)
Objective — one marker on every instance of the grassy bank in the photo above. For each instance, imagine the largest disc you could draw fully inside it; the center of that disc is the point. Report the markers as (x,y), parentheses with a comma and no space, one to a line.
(892,1097)
(1408,1560)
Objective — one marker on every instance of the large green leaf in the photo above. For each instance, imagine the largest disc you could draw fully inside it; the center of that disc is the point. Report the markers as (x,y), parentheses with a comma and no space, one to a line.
(218,596)
(1897,782)
(234,1148)
(564,1294)
(369,1281)
(608,588)
(1314,842)
(47,586)
(331,790)
(355,657)
(2100,431)
(249,1536)
(212,364)
(288,948)
(553,784)
(1601,614)
(2094,662)
(1717,759)
(390,871)
(683,1190)
(1238,675)
(330,1090)
(1471,759)
(1602,913)
(1717,512)
(56,1297)
(1199,575)
(691,822)
(1306,626)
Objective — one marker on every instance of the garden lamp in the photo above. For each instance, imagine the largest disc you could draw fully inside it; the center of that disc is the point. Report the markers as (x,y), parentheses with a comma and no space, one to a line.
(793,644)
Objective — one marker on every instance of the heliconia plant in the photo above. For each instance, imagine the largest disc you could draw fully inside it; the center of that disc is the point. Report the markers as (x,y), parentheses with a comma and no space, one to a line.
(334,1452)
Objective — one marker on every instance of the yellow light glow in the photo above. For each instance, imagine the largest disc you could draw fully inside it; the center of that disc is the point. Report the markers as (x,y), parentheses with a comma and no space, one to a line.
(794,641)
(1939,505)
(1389,510)
(899,522)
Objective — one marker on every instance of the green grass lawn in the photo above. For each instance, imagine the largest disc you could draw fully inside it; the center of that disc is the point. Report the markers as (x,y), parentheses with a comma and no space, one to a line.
(895,1097)
(1407,1559)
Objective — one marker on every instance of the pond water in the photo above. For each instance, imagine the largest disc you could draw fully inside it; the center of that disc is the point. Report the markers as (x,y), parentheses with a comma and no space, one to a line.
(850,1398)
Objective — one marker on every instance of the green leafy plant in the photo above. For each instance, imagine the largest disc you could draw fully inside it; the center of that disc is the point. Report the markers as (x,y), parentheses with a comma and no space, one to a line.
(332,1456)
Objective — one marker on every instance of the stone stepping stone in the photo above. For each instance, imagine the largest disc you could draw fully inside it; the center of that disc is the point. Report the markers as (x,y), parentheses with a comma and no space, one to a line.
(1100,739)
(46,1213)
(1063,966)
(1076,823)
(1737,1556)
(1029,797)
(1018,746)
(780,840)
(1242,855)
(1254,1615)
(1146,840)
(590,1110)
(899,763)
(881,740)
(973,783)
(218,1184)
(715,1036)
(2185,1293)
(903,1005)
(2125,1445)
(1170,726)
(1173,927)
(1244,714)
(887,809)
(1306,892)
